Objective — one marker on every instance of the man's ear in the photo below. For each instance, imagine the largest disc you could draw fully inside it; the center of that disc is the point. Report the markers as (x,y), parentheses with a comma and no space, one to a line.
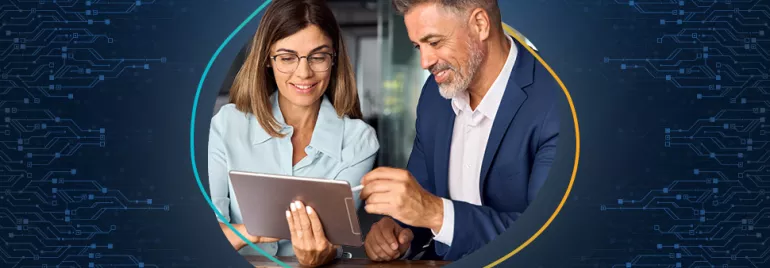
(479,23)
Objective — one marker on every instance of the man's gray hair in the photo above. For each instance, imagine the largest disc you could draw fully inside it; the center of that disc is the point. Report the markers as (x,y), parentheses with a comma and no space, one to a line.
(461,6)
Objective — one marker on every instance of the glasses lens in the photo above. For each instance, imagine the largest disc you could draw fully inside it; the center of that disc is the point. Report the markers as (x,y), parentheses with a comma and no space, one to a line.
(320,62)
(286,62)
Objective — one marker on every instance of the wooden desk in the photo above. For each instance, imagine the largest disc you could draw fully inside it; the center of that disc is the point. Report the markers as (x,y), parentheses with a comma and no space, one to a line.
(259,261)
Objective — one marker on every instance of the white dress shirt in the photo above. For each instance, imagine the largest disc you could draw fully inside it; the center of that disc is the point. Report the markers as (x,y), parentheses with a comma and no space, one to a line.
(469,142)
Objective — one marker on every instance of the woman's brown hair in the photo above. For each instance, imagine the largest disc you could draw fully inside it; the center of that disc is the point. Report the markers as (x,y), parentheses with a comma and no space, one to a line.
(255,82)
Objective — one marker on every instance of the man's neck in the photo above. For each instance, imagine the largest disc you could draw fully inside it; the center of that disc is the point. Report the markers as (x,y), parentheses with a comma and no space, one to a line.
(498,47)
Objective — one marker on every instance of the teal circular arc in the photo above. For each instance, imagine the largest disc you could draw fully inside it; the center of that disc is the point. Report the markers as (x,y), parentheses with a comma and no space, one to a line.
(192,132)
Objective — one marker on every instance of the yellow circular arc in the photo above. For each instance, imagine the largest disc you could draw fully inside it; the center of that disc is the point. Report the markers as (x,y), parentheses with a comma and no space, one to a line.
(516,35)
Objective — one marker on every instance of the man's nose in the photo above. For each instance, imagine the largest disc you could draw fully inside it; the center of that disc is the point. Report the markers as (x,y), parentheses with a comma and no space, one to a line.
(427,58)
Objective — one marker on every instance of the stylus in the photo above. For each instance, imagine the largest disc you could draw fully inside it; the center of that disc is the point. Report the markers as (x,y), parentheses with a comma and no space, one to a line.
(357,188)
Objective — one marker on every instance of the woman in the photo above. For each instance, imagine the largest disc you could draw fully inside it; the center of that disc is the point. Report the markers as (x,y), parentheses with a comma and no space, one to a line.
(294,111)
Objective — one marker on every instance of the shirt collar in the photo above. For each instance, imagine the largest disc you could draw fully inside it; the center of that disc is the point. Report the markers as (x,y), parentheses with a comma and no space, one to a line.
(491,101)
(461,102)
(328,132)
(327,135)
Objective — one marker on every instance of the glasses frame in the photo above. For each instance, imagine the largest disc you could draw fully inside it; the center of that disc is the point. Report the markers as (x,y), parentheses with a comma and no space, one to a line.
(332,55)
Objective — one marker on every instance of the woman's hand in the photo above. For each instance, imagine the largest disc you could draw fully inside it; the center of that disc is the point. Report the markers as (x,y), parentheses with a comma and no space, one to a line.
(237,242)
(254,239)
(307,236)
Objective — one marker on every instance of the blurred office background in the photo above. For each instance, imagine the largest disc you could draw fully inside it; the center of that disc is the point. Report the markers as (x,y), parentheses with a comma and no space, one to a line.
(389,80)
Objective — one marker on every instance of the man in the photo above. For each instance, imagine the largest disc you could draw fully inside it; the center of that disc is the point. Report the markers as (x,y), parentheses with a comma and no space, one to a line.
(487,127)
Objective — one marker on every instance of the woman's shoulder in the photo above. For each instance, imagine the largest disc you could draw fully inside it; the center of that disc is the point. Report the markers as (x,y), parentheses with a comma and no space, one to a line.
(229,111)
(229,114)
(231,120)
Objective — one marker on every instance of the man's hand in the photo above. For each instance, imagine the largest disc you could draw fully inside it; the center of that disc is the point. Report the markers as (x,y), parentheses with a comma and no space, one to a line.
(395,192)
(387,240)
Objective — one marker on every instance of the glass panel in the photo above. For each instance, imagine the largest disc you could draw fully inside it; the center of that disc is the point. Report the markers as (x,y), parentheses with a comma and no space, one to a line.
(402,80)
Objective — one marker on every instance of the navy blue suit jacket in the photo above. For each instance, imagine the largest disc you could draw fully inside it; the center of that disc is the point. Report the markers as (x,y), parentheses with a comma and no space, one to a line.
(519,153)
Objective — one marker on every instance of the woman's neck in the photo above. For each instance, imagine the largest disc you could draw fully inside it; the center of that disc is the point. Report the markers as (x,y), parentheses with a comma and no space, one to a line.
(301,118)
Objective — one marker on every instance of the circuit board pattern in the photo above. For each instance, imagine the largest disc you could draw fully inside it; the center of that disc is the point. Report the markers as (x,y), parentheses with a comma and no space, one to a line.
(716,213)
(51,214)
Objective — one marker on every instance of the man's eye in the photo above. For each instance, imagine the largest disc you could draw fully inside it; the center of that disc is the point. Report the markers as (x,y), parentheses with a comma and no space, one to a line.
(433,44)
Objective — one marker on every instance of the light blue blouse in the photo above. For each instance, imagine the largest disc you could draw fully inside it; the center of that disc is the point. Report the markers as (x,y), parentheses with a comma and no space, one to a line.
(339,149)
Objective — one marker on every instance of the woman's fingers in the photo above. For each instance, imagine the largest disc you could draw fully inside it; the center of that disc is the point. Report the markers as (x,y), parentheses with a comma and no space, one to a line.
(295,218)
(292,229)
(316,226)
(304,221)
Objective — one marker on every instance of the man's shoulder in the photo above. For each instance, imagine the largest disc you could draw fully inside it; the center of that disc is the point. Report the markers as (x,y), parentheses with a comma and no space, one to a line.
(544,85)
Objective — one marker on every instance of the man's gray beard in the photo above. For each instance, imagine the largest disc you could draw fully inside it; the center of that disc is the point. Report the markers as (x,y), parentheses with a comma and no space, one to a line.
(465,76)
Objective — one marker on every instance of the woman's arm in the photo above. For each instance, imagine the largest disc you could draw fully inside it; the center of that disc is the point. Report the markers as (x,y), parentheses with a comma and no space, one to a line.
(237,242)
(219,186)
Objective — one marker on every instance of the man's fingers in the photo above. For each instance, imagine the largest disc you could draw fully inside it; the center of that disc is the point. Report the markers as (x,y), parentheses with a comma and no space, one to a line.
(379,209)
(370,244)
(315,224)
(382,248)
(390,238)
(380,198)
(377,173)
(405,236)
(374,246)
(383,173)
(370,251)
(380,186)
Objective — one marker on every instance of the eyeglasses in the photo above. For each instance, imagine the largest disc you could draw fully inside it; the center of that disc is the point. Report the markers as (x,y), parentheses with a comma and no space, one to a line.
(288,62)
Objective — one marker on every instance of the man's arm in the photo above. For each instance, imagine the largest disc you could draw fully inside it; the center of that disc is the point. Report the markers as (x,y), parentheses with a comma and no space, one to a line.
(418,167)
(475,226)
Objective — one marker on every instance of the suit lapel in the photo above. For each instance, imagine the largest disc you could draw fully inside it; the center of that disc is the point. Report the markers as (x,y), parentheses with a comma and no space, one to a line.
(443,146)
(521,76)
